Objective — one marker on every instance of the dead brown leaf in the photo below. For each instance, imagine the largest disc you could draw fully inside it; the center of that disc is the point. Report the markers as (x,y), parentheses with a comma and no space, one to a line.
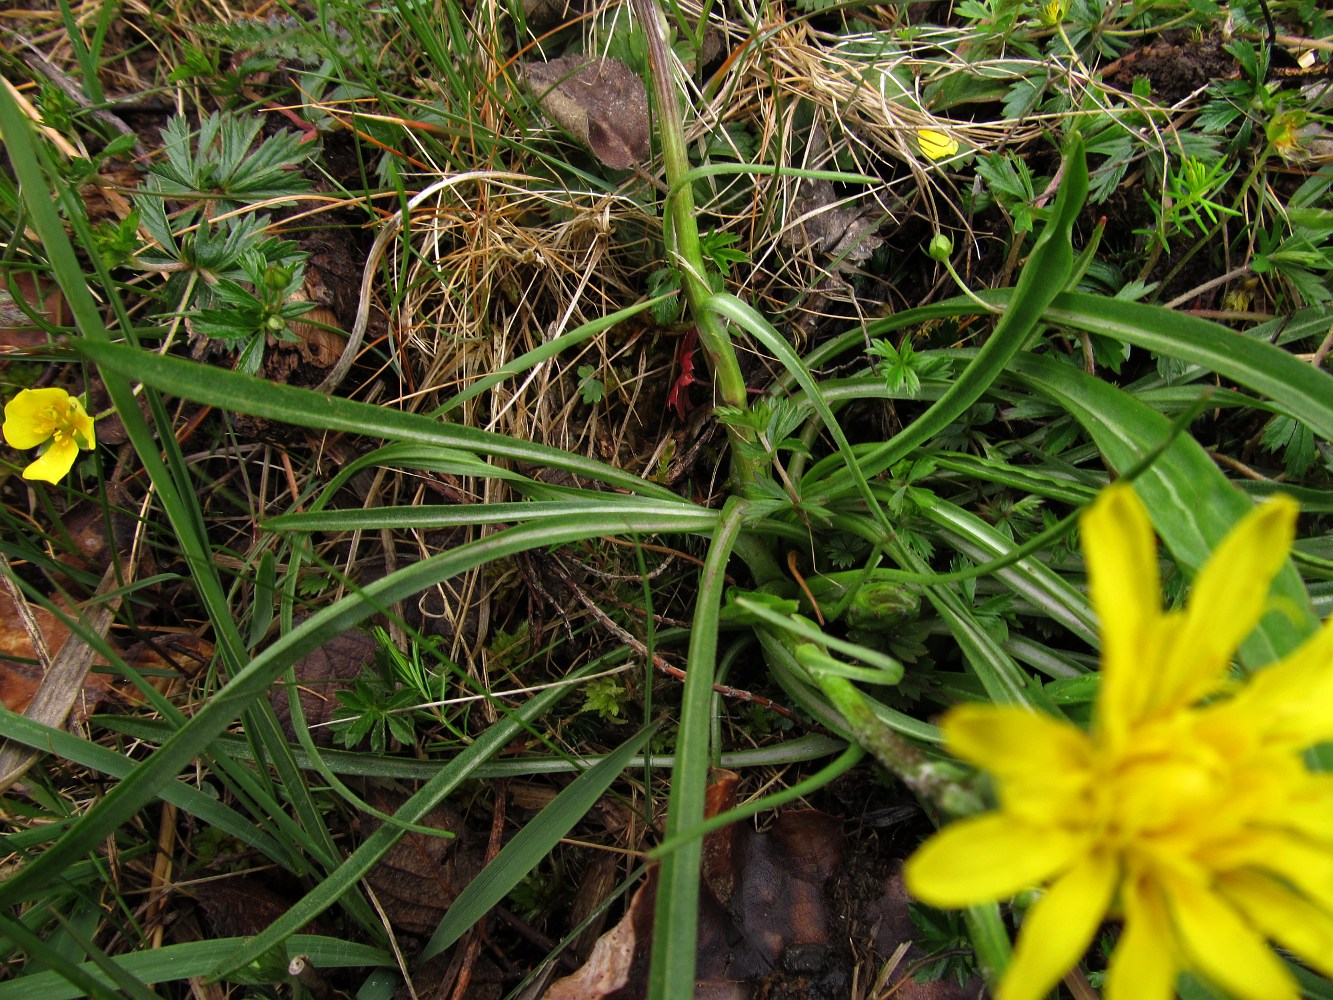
(602,102)
(335,664)
(776,917)
(20,673)
(421,875)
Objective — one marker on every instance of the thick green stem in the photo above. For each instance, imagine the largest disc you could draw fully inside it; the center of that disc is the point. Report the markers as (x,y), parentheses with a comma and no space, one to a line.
(682,232)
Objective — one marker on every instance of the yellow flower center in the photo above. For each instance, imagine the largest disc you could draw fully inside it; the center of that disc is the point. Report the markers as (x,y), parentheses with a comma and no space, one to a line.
(59,422)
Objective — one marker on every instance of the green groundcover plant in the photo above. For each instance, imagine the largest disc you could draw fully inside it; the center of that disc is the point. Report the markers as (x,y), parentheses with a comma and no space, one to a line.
(1187,803)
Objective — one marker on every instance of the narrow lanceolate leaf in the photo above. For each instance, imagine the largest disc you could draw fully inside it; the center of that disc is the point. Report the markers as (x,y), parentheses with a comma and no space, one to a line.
(289,404)
(675,927)
(143,783)
(1043,276)
(1304,391)
(536,840)
(1191,502)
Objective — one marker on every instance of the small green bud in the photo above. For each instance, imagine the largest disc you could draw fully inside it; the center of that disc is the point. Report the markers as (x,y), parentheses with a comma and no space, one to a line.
(277,277)
(941,248)
(274,323)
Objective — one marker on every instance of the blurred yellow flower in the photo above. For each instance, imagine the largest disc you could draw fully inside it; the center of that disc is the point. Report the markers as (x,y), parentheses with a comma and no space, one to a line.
(1053,12)
(36,416)
(1188,810)
(935,144)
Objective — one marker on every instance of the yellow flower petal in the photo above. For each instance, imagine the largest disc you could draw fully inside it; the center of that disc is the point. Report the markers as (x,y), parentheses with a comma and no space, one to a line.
(1017,746)
(54,463)
(1284,916)
(1291,701)
(1125,587)
(986,858)
(30,417)
(1227,600)
(1222,946)
(1306,866)
(1007,738)
(1057,931)
(1143,966)
(935,144)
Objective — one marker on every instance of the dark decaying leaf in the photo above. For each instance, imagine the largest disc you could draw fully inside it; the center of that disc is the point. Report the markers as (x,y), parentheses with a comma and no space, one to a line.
(331,667)
(240,906)
(766,926)
(421,875)
(601,102)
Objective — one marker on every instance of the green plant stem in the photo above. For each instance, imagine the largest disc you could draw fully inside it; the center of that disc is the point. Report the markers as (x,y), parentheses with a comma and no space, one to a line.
(681,229)
(990,940)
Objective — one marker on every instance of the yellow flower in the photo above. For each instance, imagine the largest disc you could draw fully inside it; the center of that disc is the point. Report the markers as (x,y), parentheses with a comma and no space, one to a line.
(36,416)
(935,144)
(1187,811)
(1052,13)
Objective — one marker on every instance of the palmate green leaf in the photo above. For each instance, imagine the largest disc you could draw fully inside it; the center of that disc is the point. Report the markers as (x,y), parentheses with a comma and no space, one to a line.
(537,839)
(305,408)
(1191,502)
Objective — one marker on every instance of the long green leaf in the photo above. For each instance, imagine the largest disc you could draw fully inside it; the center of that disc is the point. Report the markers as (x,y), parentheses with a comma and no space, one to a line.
(1044,274)
(536,840)
(1191,502)
(745,316)
(175,962)
(166,468)
(1029,578)
(811,746)
(452,515)
(141,786)
(87,754)
(1300,389)
(431,794)
(675,926)
(288,404)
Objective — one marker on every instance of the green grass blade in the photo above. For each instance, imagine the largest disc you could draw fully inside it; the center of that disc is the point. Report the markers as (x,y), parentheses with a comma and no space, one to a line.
(675,927)
(546,351)
(175,962)
(537,839)
(812,746)
(80,977)
(70,748)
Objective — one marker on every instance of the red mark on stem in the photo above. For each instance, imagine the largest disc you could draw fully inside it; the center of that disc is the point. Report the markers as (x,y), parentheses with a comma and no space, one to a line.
(679,396)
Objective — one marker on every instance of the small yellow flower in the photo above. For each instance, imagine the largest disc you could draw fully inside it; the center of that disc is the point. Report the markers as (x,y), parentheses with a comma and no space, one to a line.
(935,144)
(1188,810)
(36,416)
(1052,13)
